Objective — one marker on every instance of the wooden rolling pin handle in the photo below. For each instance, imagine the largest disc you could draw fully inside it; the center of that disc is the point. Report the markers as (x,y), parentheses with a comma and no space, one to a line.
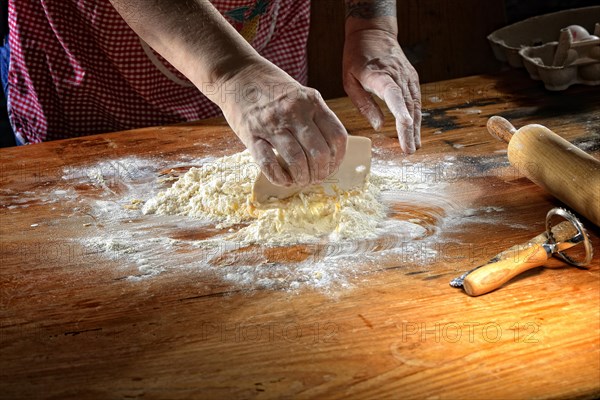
(492,276)
(500,128)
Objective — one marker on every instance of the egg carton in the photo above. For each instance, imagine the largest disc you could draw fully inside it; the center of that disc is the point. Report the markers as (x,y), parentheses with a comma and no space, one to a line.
(533,44)
(575,58)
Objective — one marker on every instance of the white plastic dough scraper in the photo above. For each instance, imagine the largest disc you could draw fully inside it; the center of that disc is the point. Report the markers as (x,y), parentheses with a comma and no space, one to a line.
(351,174)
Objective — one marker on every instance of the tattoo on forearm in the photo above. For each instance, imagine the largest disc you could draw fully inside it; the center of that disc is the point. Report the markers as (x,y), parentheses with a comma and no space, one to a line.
(367,9)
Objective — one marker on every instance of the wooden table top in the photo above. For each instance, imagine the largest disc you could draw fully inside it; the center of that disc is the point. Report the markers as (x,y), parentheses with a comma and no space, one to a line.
(100,301)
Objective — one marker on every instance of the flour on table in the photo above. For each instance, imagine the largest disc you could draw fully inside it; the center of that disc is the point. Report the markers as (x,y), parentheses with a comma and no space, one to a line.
(221,191)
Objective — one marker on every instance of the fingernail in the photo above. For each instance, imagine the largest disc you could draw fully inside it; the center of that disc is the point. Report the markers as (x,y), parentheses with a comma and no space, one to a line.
(376,124)
(410,148)
(374,119)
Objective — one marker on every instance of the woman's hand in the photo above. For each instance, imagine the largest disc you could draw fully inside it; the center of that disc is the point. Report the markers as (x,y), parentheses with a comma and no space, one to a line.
(265,107)
(375,63)
(268,110)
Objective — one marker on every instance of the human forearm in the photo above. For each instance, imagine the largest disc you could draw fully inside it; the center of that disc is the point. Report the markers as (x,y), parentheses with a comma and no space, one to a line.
(192,36)
(267,109)
(371,14)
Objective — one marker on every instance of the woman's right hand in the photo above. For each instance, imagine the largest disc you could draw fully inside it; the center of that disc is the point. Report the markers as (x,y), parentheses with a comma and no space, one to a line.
(265,107)
(268,110)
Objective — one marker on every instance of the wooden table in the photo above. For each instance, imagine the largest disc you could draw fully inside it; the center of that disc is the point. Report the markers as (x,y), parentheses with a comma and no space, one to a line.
(77,323)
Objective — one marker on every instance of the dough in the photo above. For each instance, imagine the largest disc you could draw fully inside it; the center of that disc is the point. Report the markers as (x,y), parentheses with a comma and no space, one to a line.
(221,192)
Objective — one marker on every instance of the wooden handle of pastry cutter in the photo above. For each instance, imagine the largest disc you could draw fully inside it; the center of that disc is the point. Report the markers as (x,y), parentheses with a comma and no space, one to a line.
(494,275)
(516,260)
(560,167)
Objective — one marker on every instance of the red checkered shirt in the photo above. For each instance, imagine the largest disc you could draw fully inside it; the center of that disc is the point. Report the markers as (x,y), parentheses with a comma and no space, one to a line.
(76,68)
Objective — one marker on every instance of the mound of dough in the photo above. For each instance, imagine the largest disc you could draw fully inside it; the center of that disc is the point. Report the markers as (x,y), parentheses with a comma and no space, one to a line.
(221,191)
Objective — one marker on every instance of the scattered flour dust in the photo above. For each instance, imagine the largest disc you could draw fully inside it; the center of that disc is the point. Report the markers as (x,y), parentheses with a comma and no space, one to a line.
(222,192)
(399,218)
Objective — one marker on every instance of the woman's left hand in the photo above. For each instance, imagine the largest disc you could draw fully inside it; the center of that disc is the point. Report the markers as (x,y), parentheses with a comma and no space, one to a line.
(375,63)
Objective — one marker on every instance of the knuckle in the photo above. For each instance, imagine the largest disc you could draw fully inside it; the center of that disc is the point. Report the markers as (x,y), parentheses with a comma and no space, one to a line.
(286,107)
(417,105)
(404,122)
(365,108)
(319,154)
(314,94)
(270,117)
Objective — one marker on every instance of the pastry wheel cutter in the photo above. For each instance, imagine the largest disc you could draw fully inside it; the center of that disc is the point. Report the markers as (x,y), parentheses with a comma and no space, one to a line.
(520,258)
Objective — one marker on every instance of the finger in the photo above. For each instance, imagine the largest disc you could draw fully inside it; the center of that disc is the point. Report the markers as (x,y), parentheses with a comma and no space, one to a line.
(334,134)
(396,101)
(388,90)
(410,106)
(316,150)
(415,91)
(293,155)
(263,154)
(364,102)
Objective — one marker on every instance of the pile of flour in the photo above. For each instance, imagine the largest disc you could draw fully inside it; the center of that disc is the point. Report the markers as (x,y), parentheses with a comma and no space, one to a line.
(221,191)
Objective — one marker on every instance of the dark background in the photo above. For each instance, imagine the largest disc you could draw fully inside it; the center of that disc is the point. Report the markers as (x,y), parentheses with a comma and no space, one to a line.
(444,39)
(517,10)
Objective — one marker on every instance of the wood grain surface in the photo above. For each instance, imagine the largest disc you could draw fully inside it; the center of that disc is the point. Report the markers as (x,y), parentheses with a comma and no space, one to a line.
(79,323)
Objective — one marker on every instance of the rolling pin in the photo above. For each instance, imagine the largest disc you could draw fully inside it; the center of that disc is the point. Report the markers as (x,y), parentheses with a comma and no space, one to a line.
(565,171)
